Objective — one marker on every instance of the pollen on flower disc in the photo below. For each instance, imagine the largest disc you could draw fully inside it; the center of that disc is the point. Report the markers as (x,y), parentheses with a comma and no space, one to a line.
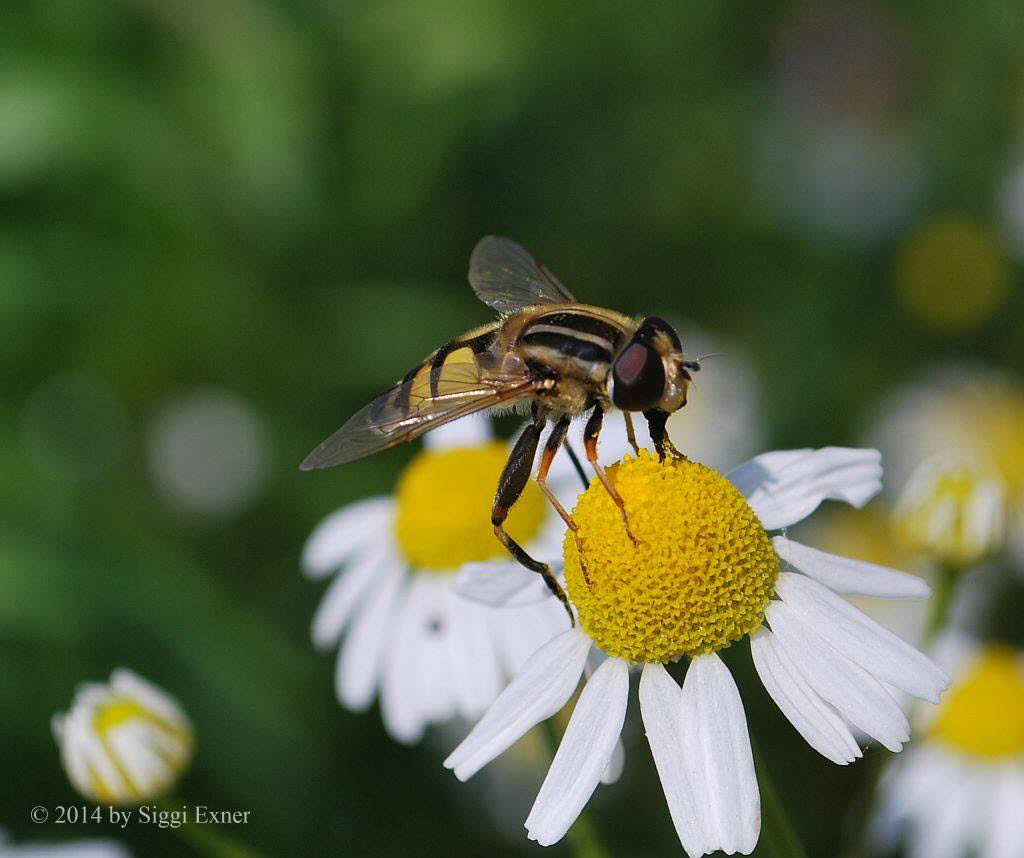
(443,508)
(698,579)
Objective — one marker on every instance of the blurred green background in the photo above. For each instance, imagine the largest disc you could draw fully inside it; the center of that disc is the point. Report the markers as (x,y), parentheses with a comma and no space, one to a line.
(227,223)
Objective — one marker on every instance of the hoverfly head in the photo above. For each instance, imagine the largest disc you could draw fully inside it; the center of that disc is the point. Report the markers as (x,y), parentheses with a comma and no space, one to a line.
(650,372)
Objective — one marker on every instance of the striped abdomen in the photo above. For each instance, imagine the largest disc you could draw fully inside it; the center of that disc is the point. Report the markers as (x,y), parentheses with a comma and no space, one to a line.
(576,342)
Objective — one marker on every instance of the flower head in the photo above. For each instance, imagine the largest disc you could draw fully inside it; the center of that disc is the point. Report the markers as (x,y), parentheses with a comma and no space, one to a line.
(704,574)
(432,655)
(125,742)
(952,510)
(961,789)
(698,579)
(966,419)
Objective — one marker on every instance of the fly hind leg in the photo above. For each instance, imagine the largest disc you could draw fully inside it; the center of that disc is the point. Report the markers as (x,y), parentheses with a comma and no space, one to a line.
(513,480)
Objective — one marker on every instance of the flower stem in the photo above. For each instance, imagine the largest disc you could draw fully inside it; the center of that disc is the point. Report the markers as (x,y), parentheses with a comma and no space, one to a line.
(584,838)
(941,603)
(777,832)
(207,839)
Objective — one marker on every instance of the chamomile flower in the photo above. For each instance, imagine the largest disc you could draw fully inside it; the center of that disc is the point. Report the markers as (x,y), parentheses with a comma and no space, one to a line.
(960,419)
(70,849)
(125,742)
(952,510)
(960,791)
(430,654)
(703,575)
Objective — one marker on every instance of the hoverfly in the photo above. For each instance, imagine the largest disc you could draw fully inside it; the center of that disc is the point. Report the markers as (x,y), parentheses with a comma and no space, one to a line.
(562,357)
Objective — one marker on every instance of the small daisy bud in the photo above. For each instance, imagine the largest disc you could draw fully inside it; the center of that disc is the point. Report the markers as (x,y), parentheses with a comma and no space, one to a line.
(952,510)
(124,742)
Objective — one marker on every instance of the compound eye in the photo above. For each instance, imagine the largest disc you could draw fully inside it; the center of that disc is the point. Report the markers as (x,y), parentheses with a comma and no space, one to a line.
(639,378)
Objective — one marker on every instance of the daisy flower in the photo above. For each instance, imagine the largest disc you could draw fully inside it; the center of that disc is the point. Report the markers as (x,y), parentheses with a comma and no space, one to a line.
(960,791)
(704,575)
(124,742)
(71,849)
(978,413)
(431,654)
(951,509)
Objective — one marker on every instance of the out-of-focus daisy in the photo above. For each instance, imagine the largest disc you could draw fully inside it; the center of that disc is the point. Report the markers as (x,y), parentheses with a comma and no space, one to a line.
(704,575)
(952,510)
(71,849)
(974,414)
(960,791)
(431,654)
(125,742)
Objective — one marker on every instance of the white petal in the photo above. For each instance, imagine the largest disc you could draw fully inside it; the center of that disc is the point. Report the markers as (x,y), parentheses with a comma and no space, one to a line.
(502,585)
(433,682)
(850,577)
(469,431)
(1006,828)
(522,631)
(950,826)
(583,754)
(345,593)
(538,692)
(343,532)
(861,639)
(400,708)
(717,756)
(856,695)
(661,706)
(475,674)
(787,486)
(129,683)
(813,719)
(362,653)
(613,771)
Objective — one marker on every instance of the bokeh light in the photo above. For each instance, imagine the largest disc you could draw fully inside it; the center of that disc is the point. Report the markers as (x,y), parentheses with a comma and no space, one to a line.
(208,451)
(951,274)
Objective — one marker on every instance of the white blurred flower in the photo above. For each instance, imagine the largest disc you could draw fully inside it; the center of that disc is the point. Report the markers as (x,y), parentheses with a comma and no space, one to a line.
(125,742)
(71,849)
(431,654)
(703,575)
(951,510)
(975,415)
(208,452)
(960,791)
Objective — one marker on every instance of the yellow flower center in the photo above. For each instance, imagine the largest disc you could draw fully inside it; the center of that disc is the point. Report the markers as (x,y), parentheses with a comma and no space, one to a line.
(110,716)
(983,716)
(174,751)
(443,508)
(699,577)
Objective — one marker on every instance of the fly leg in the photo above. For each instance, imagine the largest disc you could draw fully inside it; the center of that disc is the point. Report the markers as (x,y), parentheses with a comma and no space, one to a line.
(656,419)
(555,440)
(510,486)
(630,432)
(590,433)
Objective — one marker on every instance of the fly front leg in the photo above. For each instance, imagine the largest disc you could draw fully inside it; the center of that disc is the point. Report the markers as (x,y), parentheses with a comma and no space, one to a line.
(630,432)
(656,420)
(590,433)
(510,486)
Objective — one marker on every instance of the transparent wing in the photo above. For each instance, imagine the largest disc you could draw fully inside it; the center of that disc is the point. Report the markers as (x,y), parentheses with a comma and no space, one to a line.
(430,398)
(506,277)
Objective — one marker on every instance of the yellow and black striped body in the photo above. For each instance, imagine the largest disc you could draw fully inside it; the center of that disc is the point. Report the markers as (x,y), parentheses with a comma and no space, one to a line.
(567,348)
